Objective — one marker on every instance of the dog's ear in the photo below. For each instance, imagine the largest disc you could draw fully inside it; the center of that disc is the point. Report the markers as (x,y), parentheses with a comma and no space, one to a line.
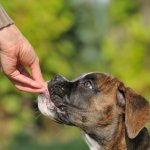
(136,108)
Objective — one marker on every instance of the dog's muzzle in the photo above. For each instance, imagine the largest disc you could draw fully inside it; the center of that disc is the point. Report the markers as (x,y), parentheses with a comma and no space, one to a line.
(52,104)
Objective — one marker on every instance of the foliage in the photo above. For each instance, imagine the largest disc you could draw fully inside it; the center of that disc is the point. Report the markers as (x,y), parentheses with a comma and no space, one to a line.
(72,37)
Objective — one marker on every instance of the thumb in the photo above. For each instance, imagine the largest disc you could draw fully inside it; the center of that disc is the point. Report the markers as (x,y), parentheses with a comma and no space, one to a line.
(36,72)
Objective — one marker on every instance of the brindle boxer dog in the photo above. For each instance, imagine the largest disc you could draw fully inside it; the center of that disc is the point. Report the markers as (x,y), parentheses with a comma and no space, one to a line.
(111,115)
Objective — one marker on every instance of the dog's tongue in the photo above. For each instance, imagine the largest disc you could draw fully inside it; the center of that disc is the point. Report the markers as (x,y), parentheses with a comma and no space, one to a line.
(52,104)
(47,95)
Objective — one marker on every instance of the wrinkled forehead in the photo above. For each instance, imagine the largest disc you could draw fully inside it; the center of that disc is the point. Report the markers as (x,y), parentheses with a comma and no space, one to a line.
(81,76)
(91,75)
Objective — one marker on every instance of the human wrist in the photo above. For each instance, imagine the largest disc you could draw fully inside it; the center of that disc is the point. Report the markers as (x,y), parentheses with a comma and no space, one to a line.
(10,37)
(5,20)
(7,27)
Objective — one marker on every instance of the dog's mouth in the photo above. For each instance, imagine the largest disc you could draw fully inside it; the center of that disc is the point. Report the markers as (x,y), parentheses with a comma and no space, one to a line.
(46,106)
(51,105)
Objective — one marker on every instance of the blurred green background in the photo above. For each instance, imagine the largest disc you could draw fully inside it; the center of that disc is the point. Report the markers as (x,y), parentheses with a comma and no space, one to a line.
(72,37)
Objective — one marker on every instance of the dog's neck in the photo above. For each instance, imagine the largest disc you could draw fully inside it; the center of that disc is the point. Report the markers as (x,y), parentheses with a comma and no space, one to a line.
(117,139)
(104,139)
(93,144)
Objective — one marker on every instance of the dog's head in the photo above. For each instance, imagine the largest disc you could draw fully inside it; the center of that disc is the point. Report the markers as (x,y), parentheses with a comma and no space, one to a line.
(94,100)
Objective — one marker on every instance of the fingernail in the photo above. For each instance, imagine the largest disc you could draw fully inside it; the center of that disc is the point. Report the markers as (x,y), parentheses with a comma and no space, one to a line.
(45,90)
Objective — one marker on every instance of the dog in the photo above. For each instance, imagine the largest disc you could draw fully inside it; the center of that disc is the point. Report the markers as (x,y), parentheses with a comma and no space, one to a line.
(111,115)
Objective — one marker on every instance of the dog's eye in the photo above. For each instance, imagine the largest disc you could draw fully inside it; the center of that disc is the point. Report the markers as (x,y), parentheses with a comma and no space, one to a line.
(88,85)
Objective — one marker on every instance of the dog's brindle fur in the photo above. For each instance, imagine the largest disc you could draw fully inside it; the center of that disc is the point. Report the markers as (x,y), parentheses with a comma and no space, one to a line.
(111,115)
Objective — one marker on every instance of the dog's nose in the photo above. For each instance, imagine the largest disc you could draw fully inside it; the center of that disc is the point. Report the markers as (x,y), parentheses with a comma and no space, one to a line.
(58,78)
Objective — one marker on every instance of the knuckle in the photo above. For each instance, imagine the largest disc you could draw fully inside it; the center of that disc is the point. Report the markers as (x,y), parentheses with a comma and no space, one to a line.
(34,62)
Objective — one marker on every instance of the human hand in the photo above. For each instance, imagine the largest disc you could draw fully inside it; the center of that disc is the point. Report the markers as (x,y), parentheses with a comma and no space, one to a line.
(16,53)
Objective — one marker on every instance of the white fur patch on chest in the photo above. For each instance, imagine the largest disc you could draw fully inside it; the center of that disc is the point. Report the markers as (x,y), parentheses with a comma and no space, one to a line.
(93,145)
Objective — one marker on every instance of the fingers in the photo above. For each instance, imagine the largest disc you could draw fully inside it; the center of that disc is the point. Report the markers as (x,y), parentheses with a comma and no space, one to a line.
(22,78)
(28,81)
(23,71)
(36,71)
(29,89)
(26,88)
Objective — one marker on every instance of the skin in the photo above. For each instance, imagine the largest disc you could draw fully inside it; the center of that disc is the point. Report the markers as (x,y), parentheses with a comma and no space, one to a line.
(16,53)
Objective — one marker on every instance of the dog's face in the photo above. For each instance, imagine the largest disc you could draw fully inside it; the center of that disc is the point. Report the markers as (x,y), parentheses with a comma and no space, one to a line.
(89,101)
(81,102)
